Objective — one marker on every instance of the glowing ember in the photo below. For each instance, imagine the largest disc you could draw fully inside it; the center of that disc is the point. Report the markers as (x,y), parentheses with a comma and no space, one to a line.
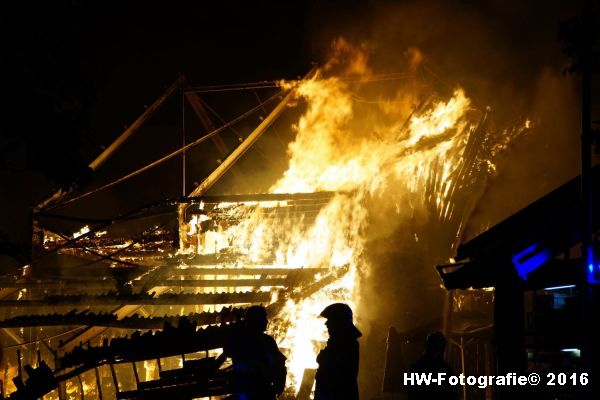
(150,367)
(85,229)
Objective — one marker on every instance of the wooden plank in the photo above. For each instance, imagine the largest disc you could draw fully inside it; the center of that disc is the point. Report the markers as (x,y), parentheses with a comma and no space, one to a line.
(222,282)
(245,271)
(323,197)
(133,301)
(110,284)
(92,331)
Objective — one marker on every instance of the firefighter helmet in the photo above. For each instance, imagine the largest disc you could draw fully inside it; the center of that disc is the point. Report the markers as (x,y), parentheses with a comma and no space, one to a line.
(337,312)
(256,313)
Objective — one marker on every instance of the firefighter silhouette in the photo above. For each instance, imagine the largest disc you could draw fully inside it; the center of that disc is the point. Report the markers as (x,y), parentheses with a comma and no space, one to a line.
(432,361)
(259,370)
(336,377)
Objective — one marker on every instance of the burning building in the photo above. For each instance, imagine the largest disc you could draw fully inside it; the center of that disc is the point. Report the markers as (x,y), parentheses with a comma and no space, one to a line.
(372,154)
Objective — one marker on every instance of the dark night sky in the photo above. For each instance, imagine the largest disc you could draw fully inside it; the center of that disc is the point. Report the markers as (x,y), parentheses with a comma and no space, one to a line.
(76,72)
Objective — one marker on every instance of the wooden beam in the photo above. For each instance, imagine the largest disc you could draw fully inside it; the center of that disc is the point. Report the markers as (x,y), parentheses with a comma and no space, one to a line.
(98,161)
(18,339)
(246,271)
(206,122)
(136,124)
(92,331)
(110,284)
(315,197)
(133,300)
(110,320)
(123,311)
(222,282)
(239,151)
(244,146)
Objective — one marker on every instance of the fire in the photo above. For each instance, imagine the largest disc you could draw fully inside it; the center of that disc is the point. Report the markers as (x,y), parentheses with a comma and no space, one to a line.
(85,229)
(305,333)
(87,388)
(330,241)
(415,151)
(438,120)
(10,372)
(331,154)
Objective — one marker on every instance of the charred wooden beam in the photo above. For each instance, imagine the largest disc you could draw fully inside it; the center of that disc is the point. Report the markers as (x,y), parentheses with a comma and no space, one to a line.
(143,299)
(110,284)
(223,282)
(106,241)
(228,314)
(185,338)
(207,260)
(271,213)
(322,197)
(59,284)
(172,272)
(132,257)
(247,271)
(92,331)
(287,277)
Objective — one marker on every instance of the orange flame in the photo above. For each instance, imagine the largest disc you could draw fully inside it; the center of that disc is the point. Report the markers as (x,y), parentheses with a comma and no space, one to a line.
(396,150)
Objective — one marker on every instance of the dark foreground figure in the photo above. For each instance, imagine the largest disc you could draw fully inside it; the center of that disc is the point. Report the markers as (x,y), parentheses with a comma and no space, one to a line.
(432,361)
(258,366)
(338,361)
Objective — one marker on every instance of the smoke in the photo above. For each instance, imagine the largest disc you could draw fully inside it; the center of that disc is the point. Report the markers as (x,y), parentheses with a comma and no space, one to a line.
(538,163)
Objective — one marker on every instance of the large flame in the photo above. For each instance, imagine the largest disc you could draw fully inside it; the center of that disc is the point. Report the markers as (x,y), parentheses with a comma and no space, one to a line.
(420,155)
(413,150)
(329,155)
